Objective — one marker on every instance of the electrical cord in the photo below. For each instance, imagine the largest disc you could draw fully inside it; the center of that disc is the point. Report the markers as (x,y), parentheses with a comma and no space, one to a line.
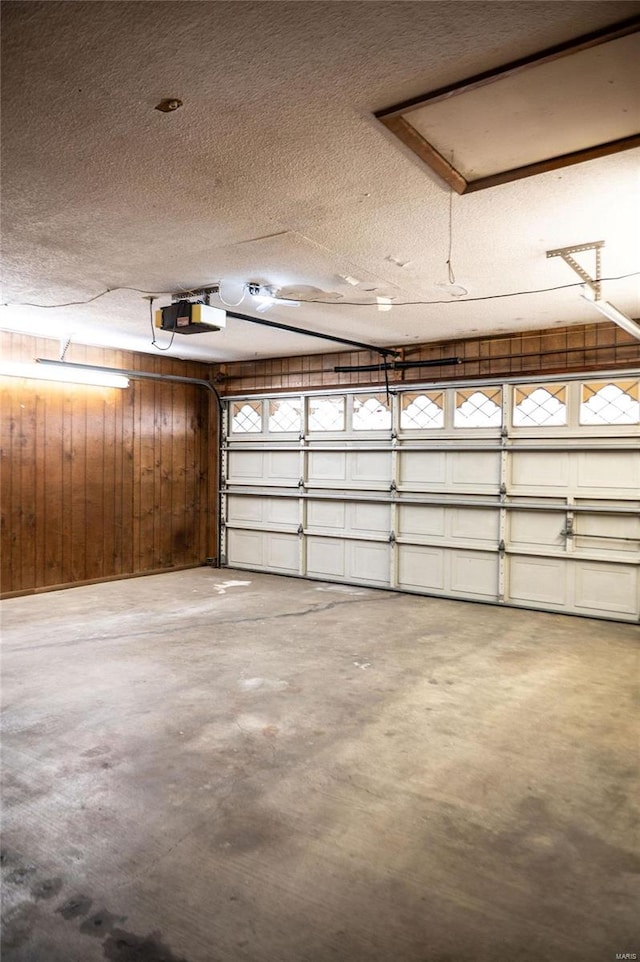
(227,303)
(154,343)
(462,300)
(469,300)
(89,300)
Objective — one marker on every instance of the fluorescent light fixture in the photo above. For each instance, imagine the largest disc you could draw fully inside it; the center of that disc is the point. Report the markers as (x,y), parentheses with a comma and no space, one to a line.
(58,371)
(613,314)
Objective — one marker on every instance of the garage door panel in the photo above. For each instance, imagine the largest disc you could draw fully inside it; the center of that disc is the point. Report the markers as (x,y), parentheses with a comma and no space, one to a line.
(421,567)
(374,519)
(326,557)
(283,467)
(326,514)
(474,524)
(474,573)
(423,468)
(245,548)
(603,587)
(246,466)
(367,561)
(541,470)
(260,510)
(538,580)
(618,532)
(424,521)
(540,516)
(263,549)
(474,469)
(327,466)
(281,511)
(536,528)
(281,552)
(241,509)
(452,470)
(369,466)
(609,470)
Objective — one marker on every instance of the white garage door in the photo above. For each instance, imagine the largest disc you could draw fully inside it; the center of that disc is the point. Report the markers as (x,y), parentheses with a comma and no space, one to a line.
(517,493)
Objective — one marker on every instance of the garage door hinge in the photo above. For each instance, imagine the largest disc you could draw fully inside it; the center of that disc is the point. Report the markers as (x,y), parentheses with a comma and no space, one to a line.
(301,483)
(568,531)
(392,538)
(502,547)
(503,488)
(393,486)
(300,529)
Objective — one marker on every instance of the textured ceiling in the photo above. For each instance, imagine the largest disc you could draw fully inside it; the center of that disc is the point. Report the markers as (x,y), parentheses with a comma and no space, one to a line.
(275,170)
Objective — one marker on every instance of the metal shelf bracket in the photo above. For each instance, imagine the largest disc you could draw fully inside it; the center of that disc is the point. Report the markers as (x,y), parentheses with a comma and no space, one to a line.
(566,252)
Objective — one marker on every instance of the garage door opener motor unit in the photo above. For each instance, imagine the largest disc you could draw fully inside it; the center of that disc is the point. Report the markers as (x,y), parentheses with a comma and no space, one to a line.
(185,317)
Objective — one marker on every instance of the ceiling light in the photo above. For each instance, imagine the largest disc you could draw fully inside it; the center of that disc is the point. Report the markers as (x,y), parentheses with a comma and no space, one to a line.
(59,371)
(267,297)
(613,314)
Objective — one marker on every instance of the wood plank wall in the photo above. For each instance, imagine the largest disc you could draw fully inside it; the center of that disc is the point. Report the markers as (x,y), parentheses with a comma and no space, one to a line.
(100,483)
(587,347)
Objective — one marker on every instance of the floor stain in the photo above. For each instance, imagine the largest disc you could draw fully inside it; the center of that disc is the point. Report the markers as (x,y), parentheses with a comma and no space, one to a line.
(18,926)
(47,888)
(75,906)
(20,875)
(100,923)
(124,946)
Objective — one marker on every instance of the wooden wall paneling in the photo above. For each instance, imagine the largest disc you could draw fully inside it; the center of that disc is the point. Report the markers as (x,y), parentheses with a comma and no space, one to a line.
(529,352)
(146,391)
(39,471)
(14,526)
(111,537)
(76,495)
(98,483)
(112,494)
(163,519)
(64,506)
(27,489)
(181,515)
(575,343)
(52,466)
(6,484)
(123,560)
(99,501)
(187,538)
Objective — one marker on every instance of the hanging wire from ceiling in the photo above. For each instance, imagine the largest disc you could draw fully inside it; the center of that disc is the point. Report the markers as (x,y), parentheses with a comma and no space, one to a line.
(460,291)
(227,303)
(425,303)
(155,343)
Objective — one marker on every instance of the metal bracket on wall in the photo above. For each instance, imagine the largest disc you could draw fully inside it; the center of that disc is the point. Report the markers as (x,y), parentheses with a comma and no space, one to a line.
(566,252)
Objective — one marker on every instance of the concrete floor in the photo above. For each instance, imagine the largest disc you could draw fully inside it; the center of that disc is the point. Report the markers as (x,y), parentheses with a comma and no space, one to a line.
(220,766)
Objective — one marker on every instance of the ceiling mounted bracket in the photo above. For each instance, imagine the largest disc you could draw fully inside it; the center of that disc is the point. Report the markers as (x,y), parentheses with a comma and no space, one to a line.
(566,252)
(199,294)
